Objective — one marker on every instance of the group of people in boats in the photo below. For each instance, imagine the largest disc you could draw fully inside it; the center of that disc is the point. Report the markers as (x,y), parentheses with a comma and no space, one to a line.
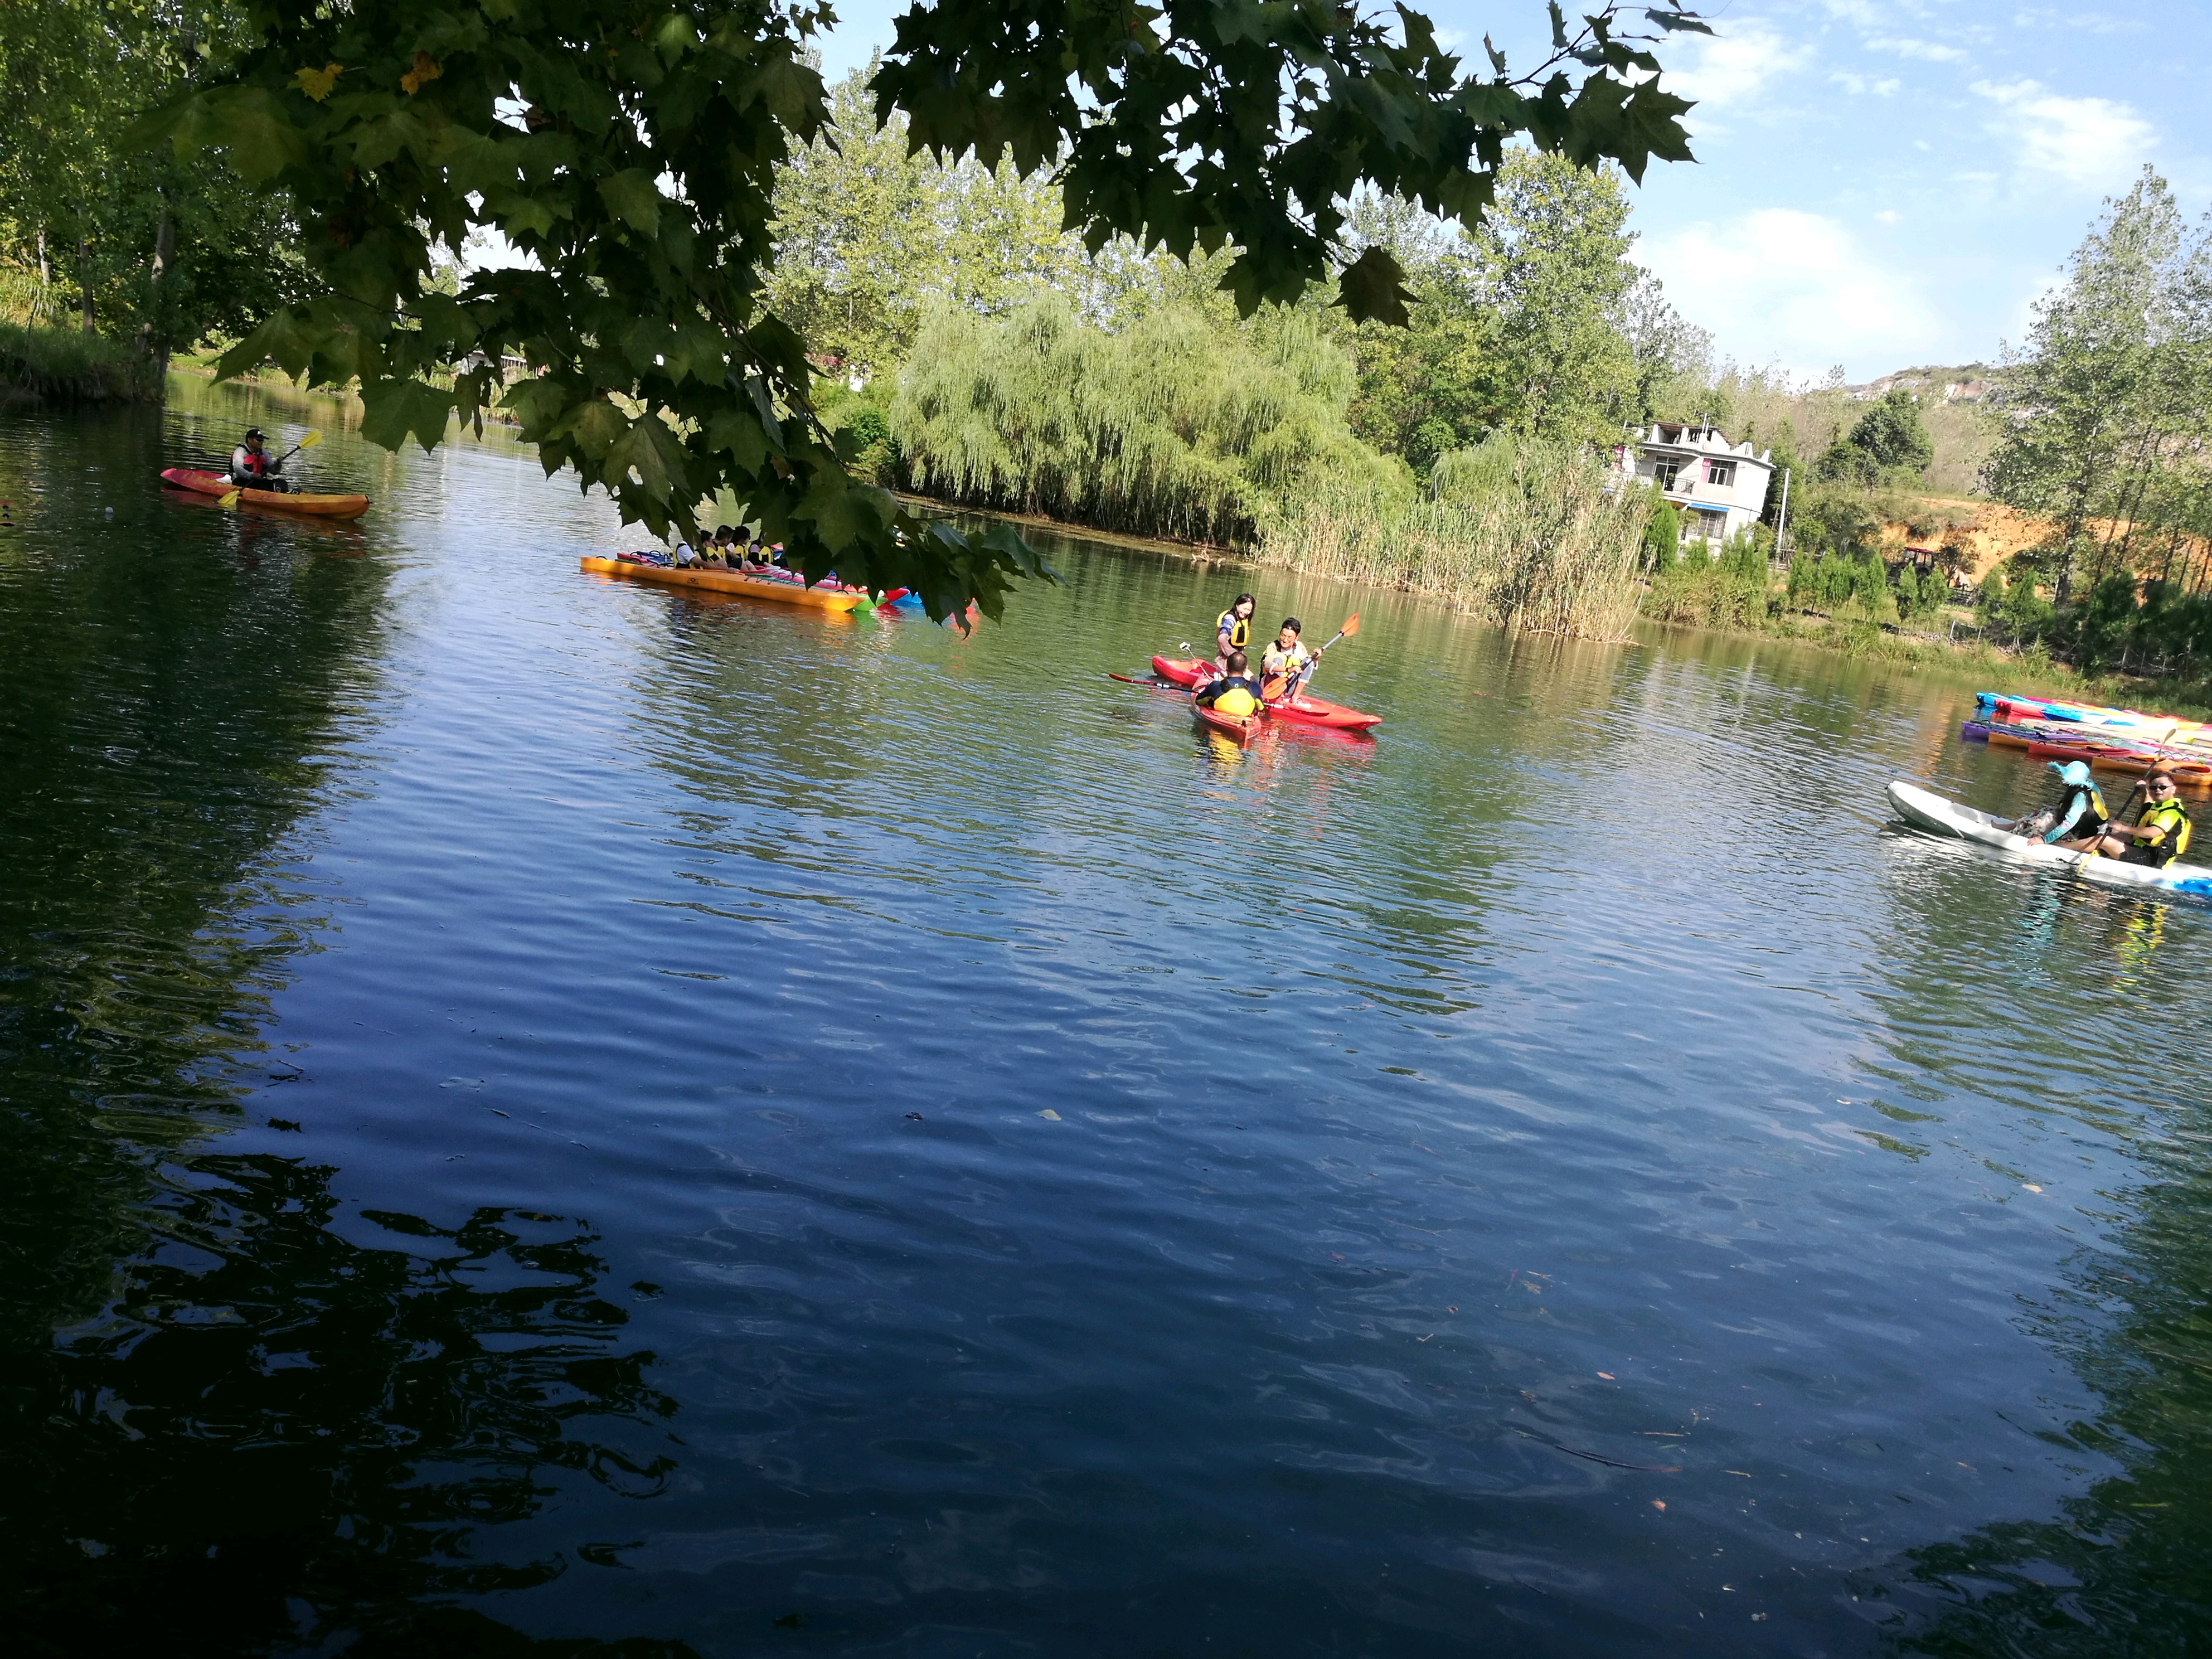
(1234,690)
(726,549)
(2080,822)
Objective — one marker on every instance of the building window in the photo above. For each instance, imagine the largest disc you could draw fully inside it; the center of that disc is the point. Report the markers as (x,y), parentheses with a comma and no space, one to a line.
(1720,472)
(1666,472)
(1711,524)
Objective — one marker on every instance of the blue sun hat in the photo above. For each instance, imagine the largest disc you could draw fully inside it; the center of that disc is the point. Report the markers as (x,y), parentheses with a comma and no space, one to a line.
(2070,771)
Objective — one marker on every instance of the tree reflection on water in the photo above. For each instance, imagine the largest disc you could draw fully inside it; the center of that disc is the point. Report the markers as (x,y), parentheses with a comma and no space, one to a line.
(271,1435)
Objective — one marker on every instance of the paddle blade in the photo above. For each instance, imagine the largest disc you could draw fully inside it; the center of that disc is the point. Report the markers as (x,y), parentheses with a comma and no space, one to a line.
(309,441)
(1351,626)
(231,499)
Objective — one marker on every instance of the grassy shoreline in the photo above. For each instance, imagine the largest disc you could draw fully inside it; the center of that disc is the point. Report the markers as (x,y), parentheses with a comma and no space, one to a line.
(68,366)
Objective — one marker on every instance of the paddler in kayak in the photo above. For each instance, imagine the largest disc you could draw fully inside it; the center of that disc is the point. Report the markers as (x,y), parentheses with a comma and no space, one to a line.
(1235,693)
(2160,835)
(1232,630)
(2078,817)
(251,467)
(1287,659)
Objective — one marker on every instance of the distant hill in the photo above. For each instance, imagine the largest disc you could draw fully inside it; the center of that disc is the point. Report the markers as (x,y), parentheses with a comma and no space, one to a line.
(1967,383)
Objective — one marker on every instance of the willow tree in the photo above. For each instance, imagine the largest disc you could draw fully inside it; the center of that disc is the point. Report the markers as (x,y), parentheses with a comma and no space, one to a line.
(630,148)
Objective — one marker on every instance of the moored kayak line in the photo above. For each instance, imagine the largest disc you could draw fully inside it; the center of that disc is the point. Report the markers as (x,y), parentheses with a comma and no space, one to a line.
(1923,809)
(730,581)
(203,483)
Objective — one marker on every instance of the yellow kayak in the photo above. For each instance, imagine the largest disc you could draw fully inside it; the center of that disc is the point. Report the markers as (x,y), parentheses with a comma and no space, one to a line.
(731,581)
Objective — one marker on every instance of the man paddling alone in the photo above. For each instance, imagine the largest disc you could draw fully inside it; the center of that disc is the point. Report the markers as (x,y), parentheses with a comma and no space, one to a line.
(251,467)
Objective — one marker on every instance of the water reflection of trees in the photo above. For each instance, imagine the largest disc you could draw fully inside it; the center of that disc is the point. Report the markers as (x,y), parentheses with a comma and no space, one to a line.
(227,1425)
(270,1433)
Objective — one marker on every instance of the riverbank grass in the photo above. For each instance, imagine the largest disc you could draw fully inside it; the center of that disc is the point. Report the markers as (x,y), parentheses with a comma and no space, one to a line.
(66,365)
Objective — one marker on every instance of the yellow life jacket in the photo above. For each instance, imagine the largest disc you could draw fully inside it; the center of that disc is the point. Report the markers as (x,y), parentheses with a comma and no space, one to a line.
(2173,823)
(1239,628)
(1278,664)
(1236,702)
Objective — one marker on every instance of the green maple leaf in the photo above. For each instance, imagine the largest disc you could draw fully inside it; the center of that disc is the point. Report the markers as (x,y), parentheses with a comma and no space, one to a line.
(393,410)
(1372,289)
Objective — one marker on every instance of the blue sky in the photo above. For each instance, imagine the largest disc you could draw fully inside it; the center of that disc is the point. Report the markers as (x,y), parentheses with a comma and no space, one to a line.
(1880,182)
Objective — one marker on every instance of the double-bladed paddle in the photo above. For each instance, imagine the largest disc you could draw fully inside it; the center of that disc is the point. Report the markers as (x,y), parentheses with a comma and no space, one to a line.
(307,442)
(1289,683)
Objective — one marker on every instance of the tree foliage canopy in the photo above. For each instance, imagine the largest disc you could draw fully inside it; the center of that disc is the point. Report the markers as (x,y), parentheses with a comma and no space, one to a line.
(630,148)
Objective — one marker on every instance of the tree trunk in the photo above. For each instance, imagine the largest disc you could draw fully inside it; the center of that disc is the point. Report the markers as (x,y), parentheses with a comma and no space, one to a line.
(84,275)
(152,346)
(46,275)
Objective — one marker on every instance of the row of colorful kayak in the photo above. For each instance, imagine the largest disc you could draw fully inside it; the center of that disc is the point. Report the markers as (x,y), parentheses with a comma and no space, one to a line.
(2001,707)
(830,595)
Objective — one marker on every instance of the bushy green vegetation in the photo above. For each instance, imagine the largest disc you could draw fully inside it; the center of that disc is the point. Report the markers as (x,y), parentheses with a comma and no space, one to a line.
(1175,426)
(2114,445)
(1532,533)
(107,237)
(68,364)
(979,354)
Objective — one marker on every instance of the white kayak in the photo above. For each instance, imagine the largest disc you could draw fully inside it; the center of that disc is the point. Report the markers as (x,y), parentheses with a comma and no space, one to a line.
(1923,809)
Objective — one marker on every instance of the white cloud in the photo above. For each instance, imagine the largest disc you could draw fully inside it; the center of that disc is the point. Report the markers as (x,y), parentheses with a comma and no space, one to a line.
(1888,216)
(1778,284)
(1734,67)
(2084,141)
(1858,86)
(1926,51)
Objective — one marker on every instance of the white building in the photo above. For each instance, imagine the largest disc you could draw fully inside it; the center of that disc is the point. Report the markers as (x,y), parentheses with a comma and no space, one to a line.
(1718,488)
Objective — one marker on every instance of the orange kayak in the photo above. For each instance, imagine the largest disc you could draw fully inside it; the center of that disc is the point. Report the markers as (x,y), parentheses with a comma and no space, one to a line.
(323,506)
(732,582)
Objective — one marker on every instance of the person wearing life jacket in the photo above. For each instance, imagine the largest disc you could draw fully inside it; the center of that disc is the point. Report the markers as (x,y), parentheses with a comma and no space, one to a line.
(251,466)
(1235,693)
(1232,629)
(2161,833)
(2079,815)
(1286,659)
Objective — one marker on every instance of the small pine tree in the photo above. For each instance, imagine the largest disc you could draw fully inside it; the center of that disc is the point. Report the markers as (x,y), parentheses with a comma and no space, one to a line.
(1662,537)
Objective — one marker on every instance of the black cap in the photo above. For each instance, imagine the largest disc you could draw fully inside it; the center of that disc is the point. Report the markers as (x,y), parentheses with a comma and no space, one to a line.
(256,432)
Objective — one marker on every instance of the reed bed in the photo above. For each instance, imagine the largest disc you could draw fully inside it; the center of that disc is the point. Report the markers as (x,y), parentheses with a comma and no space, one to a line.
(1545,539)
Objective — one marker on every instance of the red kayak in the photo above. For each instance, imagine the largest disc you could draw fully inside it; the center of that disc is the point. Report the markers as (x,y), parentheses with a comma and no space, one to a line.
(1307,711)
(1237,728)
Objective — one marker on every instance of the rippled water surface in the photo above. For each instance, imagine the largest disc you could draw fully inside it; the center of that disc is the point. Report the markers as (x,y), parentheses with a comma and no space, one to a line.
(544,1113)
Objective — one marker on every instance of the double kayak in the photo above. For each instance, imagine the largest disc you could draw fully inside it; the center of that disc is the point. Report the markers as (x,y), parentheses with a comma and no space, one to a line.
(783,592)
(202,483)
(1923,809)
(1302,709)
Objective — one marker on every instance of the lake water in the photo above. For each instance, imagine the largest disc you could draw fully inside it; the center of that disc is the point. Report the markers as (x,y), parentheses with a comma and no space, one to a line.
(545,1113)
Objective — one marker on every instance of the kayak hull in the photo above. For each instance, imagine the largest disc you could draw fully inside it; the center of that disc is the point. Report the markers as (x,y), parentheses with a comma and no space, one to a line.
(1306,711)
(201,482)
(728,582)
(1923,809)
(1237,729)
